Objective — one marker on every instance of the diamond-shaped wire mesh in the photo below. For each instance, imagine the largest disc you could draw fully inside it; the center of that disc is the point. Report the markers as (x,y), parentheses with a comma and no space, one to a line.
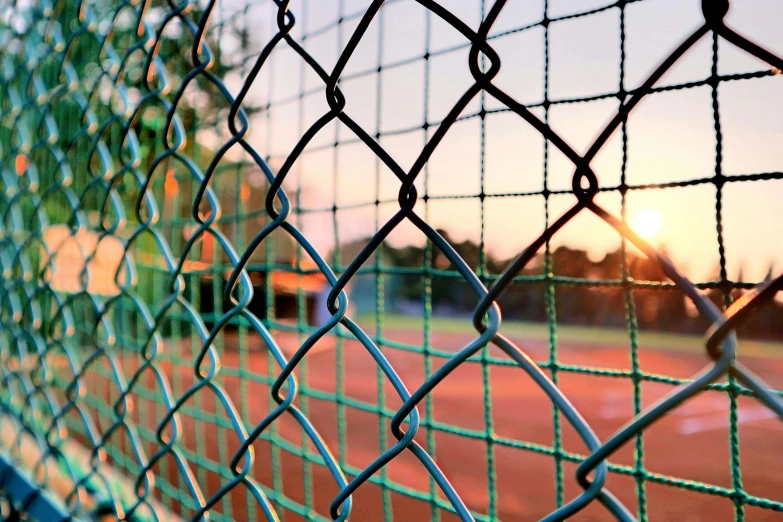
(146,247)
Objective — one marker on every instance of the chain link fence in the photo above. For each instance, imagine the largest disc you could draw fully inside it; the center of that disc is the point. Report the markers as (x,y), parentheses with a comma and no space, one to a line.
(162,292)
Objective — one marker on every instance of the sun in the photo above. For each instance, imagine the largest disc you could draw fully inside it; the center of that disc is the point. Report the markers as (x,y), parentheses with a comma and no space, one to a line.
(647,223)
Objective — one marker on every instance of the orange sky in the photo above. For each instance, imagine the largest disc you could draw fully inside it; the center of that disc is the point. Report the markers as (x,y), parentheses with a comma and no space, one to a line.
(670,135)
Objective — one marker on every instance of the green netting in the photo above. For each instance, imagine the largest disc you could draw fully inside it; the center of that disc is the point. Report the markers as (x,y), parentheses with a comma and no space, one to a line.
(204,322)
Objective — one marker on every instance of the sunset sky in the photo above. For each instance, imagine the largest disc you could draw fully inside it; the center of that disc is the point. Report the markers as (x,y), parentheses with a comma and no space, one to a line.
(671,135)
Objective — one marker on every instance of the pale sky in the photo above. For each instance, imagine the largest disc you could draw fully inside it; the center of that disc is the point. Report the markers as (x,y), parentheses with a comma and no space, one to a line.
(670,135)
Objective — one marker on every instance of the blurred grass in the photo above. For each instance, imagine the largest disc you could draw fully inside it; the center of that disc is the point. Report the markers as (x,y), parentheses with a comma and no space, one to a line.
(589,335)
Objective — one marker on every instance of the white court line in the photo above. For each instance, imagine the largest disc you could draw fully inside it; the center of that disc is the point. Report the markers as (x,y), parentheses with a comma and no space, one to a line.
(616,406)
(721,420)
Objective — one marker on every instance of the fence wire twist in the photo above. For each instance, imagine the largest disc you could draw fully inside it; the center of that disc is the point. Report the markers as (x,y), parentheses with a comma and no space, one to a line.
(78,78)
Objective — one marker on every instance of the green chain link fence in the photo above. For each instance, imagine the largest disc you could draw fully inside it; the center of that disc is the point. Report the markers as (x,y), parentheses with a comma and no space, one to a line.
(167,317)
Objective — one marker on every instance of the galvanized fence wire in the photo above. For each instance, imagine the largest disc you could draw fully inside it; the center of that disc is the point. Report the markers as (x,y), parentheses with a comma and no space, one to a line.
(57,51)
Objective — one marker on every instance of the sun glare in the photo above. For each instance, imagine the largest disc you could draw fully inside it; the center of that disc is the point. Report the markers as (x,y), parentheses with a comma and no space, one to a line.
(647,223)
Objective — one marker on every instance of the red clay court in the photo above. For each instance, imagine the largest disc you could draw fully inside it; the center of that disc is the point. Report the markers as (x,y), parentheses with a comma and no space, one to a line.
(690,444)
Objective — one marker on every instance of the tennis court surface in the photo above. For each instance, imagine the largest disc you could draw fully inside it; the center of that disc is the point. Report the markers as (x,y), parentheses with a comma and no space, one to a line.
(522,434)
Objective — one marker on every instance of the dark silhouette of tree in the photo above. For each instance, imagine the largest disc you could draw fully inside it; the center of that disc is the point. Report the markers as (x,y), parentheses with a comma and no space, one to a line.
(586,292)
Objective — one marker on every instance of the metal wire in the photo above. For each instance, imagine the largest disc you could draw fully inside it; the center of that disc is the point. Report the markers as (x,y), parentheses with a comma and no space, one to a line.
(97,119)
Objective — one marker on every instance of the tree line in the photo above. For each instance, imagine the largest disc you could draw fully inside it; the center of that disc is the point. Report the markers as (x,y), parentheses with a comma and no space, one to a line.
(580,291)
